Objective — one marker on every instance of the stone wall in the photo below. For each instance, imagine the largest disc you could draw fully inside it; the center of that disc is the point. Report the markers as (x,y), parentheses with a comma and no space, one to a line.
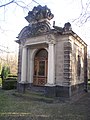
(59,62)
(63,71)
(77,62)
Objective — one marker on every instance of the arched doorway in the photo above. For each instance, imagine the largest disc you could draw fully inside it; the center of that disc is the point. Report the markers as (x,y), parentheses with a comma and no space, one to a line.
(40,67)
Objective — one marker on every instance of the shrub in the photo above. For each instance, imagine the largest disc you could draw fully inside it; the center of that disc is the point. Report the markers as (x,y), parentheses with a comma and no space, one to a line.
(5,71)
(9,84)
(11,75)
(9,81)
(11,78)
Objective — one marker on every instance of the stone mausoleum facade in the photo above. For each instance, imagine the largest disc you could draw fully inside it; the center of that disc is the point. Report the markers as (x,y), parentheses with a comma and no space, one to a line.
(53,60)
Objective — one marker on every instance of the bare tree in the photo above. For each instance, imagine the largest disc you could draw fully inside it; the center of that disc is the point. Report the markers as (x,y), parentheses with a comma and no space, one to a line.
(7,5)
(17,3)
(85,12)
(5,58)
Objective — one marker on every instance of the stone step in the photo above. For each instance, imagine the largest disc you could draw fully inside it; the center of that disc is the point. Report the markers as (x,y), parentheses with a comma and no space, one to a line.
(34,96)
(40,89)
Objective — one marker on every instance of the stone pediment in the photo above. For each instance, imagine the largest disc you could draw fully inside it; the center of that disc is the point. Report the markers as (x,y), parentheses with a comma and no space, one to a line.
(34,30)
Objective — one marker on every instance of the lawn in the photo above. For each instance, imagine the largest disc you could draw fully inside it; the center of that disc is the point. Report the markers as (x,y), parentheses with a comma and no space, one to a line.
(15,106)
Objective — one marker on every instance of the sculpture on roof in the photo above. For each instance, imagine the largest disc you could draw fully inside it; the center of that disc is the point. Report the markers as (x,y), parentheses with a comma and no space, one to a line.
(39,13)
(67,26)
(38,22)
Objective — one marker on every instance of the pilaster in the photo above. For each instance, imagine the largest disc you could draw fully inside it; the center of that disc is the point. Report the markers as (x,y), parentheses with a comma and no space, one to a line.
(51,65)
(24,65)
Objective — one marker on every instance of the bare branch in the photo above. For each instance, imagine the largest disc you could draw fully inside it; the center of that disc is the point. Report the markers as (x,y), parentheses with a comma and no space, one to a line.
(36,2)
(82,5)
(7,3)
(85,13)
(24,7)
(13,1)
(19,3)
(87,18)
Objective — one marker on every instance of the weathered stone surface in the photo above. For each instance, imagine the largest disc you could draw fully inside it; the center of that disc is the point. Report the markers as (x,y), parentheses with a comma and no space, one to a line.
(66,51)
(34,30)
(38,22)
(38,13)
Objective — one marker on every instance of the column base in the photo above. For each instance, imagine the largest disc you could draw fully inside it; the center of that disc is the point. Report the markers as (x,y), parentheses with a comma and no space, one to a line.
(21,87)
(50,91)
(51,85)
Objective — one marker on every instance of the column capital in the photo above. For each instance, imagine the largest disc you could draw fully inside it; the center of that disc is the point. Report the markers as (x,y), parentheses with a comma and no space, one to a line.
(24,47)
(52,42)
(51,39)
(50,85)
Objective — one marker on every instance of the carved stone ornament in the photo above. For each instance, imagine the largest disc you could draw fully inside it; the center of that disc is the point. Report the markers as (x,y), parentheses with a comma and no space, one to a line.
(51,39)
(33,30)
(39,13)
(67,26)
(38,22)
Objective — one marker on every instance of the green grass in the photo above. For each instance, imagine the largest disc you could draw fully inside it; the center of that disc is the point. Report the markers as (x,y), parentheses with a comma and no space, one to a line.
(15,106)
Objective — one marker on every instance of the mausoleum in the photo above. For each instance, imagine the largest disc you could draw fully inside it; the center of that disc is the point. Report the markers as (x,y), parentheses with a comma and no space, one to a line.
(51,59)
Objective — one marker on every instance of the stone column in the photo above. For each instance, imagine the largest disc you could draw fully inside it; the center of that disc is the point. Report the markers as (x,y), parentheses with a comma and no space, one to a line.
(51,65)
(31,66)
(24,65)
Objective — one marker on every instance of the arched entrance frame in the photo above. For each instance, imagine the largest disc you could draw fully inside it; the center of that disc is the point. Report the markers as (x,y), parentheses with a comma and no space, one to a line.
(32,57)
(28,68)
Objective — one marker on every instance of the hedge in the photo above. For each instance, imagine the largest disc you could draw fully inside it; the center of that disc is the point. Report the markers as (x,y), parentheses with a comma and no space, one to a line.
(11,75)
(9,83)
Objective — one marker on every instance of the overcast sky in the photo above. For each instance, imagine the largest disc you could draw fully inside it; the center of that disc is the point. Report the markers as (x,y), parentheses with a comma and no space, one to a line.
(12,19)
